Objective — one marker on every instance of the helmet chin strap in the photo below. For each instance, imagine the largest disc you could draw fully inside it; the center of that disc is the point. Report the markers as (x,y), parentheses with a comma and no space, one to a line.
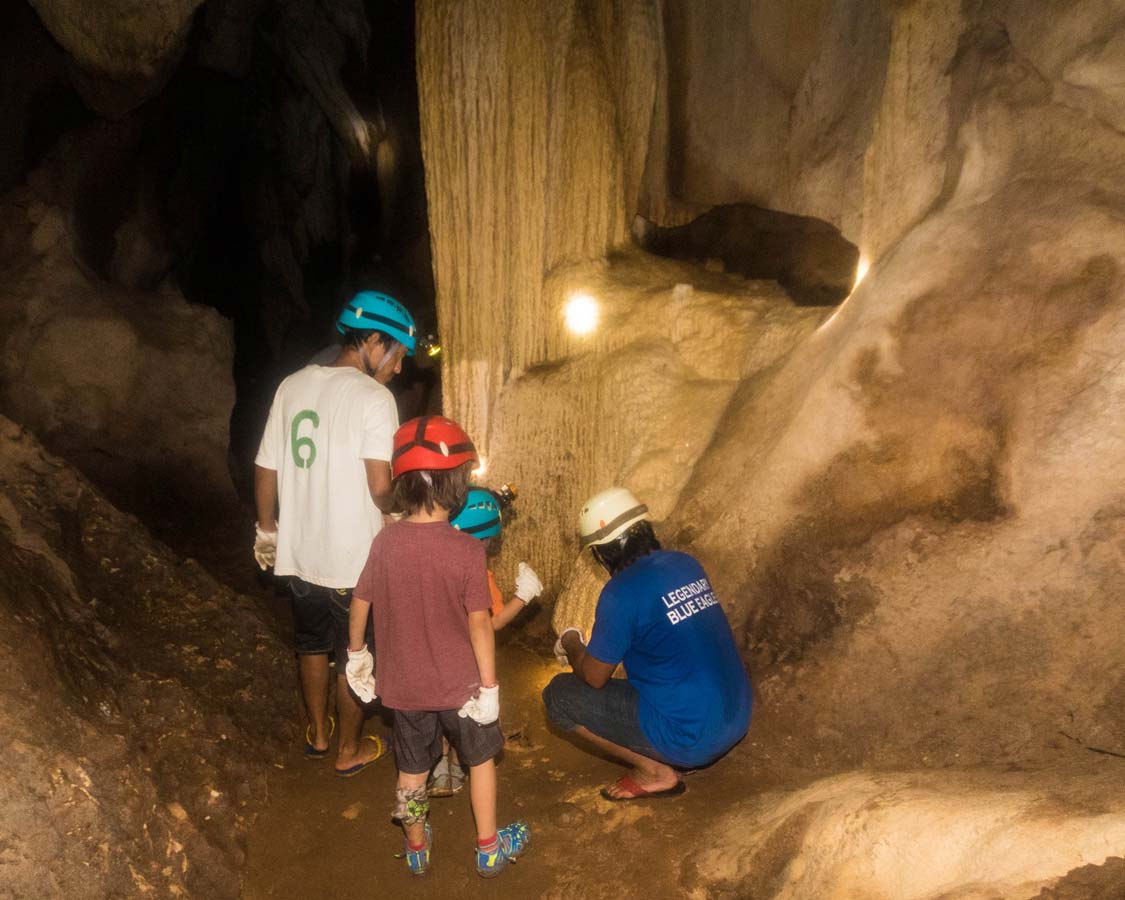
(366,364)
(388,355)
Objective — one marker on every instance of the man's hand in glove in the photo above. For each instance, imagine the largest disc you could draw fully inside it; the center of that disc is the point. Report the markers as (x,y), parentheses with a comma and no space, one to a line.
(528,585)
(265,547)
(484,709)
(560,651)
(361,673)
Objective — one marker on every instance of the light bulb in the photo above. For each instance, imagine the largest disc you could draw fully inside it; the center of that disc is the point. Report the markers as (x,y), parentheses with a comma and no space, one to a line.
(581,313)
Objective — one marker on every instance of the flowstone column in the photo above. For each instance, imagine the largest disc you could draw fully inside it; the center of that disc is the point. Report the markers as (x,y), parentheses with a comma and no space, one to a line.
(533,138)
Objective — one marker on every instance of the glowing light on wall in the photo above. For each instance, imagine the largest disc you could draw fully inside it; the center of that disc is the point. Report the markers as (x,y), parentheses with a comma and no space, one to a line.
(581,313)
(861,270)
(481,468)
(860,273)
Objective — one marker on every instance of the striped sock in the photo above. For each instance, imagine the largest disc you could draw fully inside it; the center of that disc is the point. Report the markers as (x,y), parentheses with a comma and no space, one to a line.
(489,845)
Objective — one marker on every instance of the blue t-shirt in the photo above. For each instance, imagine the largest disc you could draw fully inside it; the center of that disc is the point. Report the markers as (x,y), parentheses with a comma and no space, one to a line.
(662,619)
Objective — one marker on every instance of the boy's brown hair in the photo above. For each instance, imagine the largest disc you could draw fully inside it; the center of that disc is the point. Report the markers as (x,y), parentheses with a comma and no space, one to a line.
(427,488)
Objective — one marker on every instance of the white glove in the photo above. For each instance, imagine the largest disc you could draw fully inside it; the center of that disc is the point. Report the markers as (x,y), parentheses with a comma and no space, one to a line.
(528,585)
(265,547)
(361,673)
(484,709)
(560,653)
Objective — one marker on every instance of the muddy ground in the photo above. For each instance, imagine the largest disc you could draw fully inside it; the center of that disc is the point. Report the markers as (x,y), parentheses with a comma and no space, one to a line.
(320,832)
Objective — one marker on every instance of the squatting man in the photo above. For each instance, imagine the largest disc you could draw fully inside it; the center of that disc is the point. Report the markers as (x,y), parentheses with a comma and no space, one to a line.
(686,700)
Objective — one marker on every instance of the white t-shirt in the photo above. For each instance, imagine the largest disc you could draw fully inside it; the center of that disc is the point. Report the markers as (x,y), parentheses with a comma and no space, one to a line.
(324,422)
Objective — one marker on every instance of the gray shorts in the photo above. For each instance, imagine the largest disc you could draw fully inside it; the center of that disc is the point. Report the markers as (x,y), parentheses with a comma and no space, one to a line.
(320,621)
(417,739)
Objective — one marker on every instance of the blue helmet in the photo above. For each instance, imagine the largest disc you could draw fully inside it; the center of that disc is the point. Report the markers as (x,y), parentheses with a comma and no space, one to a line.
(480,516)
(374,311)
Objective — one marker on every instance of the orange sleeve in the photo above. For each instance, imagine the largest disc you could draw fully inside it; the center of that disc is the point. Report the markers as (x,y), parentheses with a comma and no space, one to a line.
(497,597)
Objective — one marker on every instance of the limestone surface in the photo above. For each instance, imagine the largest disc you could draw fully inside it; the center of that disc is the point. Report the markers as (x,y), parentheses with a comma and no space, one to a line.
(139,707)
(912,511)
(134,386)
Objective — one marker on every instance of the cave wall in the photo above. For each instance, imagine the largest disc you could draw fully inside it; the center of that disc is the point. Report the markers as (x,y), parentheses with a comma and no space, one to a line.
(535,120)
(138,699)
(132,384)
(923,489)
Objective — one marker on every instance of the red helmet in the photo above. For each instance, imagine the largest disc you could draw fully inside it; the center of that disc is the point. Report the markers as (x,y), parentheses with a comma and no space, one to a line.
(430,442)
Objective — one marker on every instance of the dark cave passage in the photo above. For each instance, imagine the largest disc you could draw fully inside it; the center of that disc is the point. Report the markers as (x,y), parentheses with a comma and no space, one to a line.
(809,258)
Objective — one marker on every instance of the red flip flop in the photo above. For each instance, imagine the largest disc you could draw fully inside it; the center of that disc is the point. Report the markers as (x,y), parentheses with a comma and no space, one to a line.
(637,791)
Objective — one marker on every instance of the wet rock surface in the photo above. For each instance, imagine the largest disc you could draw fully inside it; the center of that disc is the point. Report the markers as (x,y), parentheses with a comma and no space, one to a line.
(141,703)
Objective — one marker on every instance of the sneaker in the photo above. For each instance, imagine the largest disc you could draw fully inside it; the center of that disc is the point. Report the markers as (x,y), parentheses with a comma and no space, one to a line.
(418,861)
(513,841)
(447,783)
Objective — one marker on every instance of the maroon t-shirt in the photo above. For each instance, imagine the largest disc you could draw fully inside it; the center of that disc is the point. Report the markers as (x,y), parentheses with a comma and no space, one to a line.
(422,580)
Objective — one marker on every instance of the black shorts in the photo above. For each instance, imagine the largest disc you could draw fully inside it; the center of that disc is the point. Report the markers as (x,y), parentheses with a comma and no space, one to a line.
(417,739)
(320,619)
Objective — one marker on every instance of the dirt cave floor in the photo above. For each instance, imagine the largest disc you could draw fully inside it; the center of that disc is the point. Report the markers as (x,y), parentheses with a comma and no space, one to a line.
(316,833)
(323,833)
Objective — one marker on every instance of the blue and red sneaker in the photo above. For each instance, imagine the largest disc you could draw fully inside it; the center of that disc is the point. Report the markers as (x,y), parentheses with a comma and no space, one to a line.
(512,841)
(419,860)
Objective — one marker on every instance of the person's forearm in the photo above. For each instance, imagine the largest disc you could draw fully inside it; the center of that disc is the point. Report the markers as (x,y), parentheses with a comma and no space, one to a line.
(575,654)
(357,623)
(511,609)
(265,497)
(379,484)
(384,502)
(484,646)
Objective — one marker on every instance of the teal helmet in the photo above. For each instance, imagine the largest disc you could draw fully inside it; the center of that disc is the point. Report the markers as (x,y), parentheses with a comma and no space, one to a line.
(374,311)
(480,516)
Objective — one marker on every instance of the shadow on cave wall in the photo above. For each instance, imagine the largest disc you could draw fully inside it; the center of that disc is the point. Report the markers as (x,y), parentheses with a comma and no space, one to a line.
(809,258)
(940,422)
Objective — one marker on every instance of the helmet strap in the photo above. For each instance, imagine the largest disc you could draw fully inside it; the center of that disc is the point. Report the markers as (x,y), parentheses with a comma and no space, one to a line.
(389,353)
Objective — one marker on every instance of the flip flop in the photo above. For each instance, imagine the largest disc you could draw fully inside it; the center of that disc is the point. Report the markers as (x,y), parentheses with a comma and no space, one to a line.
(637,791)
(310,751)
(381,746)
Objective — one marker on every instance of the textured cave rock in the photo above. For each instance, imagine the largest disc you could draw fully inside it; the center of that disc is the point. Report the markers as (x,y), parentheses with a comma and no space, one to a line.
(535,119)
(914,515)
(119,38)
(123,51)
(139,711)
(134,386)
(922,834)
(640,398)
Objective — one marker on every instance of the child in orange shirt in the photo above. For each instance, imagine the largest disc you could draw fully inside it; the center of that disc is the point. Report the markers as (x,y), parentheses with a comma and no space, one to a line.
(481,518)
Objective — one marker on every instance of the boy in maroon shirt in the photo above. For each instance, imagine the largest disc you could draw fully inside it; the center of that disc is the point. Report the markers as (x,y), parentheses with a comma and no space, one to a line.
(426,586)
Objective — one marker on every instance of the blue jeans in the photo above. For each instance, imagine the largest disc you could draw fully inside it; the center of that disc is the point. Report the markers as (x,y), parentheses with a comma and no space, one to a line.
(610,711)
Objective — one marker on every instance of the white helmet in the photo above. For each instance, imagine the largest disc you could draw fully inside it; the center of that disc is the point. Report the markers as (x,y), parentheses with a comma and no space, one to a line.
(606,515)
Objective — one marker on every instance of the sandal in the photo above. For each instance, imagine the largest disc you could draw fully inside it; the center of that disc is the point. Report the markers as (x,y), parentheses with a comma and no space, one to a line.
(380,752)
(311,752)
(638,792)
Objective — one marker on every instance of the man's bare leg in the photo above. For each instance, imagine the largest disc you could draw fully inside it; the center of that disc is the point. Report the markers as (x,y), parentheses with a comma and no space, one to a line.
(313,671)
(648,773)
(349,752)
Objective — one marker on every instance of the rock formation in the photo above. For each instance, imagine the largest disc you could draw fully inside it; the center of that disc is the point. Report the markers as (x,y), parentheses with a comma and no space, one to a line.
(911,509)
(132,385)
(138,701)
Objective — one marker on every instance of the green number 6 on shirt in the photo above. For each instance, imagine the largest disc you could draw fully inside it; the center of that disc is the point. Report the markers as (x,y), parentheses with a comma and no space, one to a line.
(300,444)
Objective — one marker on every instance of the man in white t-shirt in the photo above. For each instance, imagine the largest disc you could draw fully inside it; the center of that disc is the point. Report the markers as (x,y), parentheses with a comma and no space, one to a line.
(324,461)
